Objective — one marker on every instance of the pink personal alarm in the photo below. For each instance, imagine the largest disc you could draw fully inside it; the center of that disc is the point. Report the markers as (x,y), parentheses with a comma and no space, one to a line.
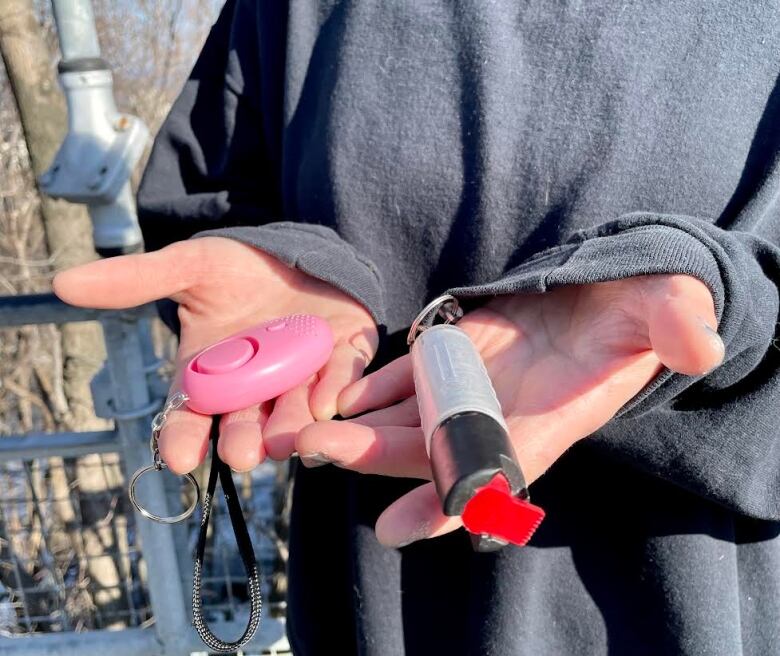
(257,364)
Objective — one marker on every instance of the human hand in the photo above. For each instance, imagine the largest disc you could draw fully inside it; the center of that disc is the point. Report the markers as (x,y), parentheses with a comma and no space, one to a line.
(223,286)
(562,364)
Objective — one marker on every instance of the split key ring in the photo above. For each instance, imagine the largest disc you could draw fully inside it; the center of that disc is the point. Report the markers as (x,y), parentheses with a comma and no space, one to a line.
(175,402)
(174,519)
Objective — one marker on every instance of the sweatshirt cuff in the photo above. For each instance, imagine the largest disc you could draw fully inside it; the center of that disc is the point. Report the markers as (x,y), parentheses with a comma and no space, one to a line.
(319,252)
(634,245)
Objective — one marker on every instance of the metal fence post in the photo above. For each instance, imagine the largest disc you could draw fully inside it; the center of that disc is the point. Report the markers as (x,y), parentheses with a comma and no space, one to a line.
(76,29)
(130,392)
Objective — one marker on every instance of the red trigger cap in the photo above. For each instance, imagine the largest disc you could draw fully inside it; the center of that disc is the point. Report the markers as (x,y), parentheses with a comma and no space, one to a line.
(494,511)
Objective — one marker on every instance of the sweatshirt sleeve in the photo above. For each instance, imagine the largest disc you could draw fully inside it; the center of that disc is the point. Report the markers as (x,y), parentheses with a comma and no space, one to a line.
(716,435)
(213,170)
(212,161)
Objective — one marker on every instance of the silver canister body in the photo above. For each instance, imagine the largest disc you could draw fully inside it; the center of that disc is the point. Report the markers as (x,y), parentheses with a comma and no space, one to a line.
(450,379)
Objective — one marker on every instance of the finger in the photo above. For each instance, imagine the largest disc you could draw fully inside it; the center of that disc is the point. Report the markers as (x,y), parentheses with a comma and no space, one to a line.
(390,451)
(129,280)
(240,437)
(391,383)
(184,440)
(415,516)
(346,365)
(682,326)
(290,414)
(405,413)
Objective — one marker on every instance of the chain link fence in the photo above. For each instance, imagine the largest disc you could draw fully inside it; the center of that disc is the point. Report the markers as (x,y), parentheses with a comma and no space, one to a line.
(71,557)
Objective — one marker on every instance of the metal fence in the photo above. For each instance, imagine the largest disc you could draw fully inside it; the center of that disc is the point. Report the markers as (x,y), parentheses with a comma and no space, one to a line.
(50,605)
(54,587)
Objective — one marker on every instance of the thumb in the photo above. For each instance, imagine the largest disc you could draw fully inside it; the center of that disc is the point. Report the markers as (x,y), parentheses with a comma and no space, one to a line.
(682,326)
(415,516)
(129,280)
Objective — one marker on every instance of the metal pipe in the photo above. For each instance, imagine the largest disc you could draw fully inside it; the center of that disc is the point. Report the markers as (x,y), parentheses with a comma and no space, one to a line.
(115,224)
(130,390)
(76,28)
(66,445)
(129,642)
(36,309)
(102,146)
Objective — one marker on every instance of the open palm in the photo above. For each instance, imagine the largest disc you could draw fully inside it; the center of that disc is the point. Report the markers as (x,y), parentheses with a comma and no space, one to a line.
(562,363)
(223,286)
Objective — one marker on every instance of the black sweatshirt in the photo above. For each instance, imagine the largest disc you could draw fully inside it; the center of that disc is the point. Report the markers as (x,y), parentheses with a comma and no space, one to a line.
(400,149)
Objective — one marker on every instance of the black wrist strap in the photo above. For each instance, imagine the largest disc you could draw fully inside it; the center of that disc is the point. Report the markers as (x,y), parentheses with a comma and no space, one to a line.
(220,470)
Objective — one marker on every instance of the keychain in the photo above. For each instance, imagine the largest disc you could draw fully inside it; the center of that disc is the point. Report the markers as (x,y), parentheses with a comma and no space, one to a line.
(475,469)
(248,368)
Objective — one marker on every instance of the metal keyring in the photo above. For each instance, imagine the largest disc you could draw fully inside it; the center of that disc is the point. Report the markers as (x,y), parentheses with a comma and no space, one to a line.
(175,402)
(445,306)
(157,518)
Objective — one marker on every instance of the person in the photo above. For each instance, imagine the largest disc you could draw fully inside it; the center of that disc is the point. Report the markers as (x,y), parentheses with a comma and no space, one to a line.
(598,184)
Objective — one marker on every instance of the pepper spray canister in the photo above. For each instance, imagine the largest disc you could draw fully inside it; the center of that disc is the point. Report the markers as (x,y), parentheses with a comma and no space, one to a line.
(475,469)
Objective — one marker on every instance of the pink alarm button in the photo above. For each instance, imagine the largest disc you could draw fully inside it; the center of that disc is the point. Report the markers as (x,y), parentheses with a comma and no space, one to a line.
(225,356)
(257,364)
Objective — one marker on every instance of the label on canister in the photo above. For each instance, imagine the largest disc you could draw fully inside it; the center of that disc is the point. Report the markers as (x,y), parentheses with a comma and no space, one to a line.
(450,378)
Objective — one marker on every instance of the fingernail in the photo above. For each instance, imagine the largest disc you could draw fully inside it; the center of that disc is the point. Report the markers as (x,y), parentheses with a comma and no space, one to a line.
(312,460)
(363,355)
(326,412)
(420,532)
(712,335)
